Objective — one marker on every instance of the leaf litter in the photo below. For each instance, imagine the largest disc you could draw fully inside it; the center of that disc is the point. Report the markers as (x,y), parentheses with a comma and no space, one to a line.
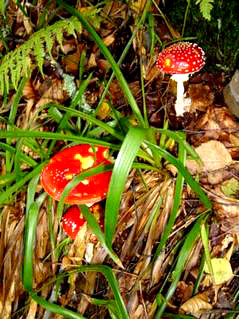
(148,197)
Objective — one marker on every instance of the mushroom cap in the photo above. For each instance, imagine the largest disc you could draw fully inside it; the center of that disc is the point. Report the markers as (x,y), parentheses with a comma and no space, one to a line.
(181,58)
(70,162)
(72,221)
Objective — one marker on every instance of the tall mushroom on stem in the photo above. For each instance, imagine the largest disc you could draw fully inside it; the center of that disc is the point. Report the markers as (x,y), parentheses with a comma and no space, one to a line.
(181,59)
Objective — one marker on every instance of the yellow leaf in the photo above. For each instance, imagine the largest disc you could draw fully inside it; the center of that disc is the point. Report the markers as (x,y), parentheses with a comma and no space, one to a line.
(222,270)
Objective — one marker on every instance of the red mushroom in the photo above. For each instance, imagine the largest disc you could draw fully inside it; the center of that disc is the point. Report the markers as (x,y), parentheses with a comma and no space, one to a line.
(70,162)
(181,59)
(73,221)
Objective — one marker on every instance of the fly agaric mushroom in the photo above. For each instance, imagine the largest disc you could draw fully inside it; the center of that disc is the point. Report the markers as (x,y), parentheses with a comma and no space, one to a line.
(73,221)
(181,59)
(70,162)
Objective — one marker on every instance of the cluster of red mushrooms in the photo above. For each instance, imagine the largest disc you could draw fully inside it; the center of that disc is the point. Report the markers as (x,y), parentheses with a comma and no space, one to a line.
(180,60)
(63,167)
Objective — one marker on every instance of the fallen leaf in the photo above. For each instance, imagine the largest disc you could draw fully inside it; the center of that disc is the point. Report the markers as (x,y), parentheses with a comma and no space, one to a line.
(201,96)
(222,270)
(196,305)
(213,154)
(230,187)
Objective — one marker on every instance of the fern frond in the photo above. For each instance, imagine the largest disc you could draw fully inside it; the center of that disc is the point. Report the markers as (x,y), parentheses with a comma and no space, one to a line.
(39,54)
(49,42)
(206,7)
(19,63)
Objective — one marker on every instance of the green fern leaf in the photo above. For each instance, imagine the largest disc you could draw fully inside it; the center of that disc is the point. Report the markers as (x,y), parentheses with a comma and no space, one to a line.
(59,38)
(206,7)
(39,54)
(49,42)
(26,65)
(72,25)
(2,84)
(6,79)
(18,63)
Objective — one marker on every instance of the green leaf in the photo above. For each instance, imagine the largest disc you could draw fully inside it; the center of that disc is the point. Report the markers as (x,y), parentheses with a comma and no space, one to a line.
(206,7)
(123,164)
(190,240)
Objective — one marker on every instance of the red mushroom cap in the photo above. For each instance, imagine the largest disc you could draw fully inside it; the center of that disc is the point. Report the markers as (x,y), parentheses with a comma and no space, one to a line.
(181,58)
(70,162)
(72,221)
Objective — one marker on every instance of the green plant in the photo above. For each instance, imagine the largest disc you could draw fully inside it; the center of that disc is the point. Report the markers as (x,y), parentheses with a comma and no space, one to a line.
(19,63)
(206,7)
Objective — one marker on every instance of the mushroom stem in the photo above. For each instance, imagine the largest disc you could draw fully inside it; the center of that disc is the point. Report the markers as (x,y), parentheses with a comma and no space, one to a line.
(182,104)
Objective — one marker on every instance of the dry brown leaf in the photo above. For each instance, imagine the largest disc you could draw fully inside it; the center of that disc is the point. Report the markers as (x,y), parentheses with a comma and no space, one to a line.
(32,310)
(92,61)
(201,96)
(213,154)
(196,305)
(52,90)
(109,39)
(71,62)
(228,210)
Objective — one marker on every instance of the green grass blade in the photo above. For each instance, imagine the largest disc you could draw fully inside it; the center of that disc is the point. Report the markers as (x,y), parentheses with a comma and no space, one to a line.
(95,228)
(29,239)
(111,278)
(92,222)
(66,313)
(121,169)
(180,138)
(109,58)
(31,190)
(8,193)
(93,120)
(176,203)
(191,238)
(205,242)
(12,117)
(17,133)
(23,157)
(188,178)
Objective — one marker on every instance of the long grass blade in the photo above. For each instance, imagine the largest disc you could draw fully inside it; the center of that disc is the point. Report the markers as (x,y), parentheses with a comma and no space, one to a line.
(176,203)
(188,178)
(17,133)
(190,240)
(111,278)
(29,238)
(15,188)
(121,169)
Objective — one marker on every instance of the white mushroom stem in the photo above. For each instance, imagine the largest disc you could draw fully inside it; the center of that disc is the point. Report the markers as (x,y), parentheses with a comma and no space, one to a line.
(182,104)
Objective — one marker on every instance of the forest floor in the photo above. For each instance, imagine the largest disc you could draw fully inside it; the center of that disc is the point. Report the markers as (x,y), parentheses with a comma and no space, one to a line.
(169,244)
